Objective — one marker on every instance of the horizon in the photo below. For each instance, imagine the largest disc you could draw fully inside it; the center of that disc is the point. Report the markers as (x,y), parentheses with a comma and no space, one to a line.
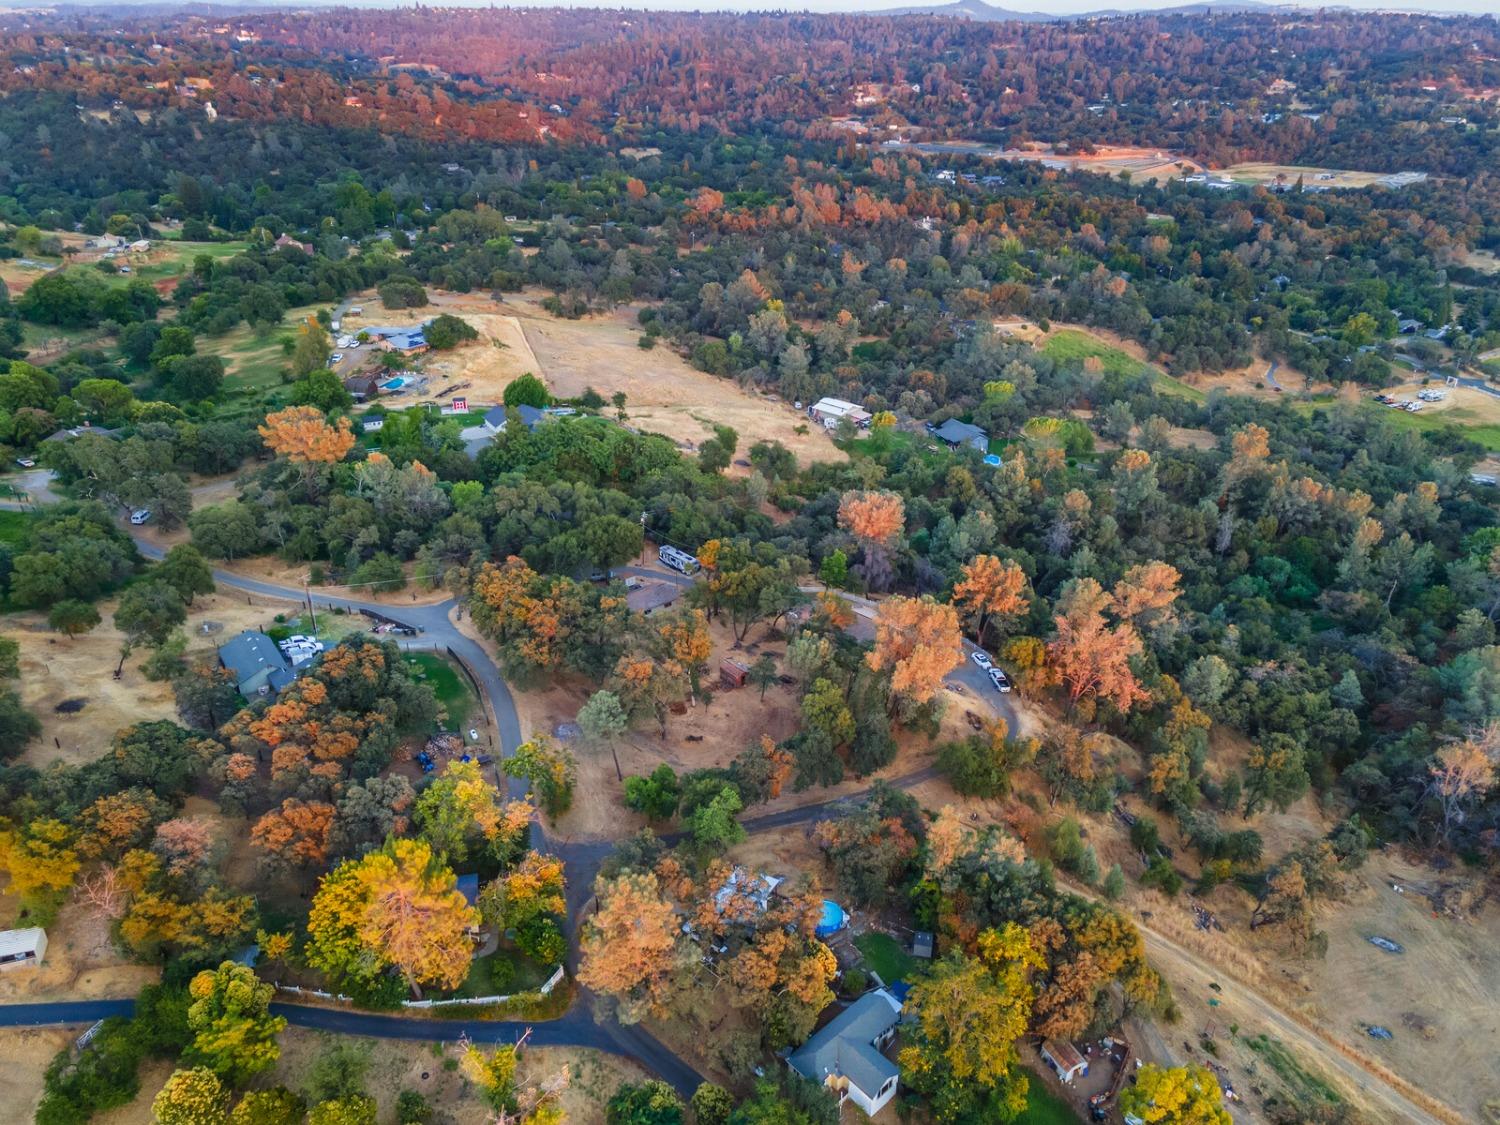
(1058,9)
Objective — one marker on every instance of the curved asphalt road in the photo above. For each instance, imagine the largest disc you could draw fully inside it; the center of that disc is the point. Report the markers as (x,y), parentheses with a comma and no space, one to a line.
(573,1029)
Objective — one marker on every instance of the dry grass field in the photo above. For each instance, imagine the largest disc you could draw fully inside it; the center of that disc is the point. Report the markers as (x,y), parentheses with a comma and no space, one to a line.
(55,668)
(1255,173)
(24,1055)
(663,392)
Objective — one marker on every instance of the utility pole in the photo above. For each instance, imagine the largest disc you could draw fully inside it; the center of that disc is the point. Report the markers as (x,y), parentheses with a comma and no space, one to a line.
(312,613)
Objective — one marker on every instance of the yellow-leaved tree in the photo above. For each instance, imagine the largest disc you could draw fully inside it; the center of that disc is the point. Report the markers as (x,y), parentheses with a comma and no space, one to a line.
(969,1013)
(397,908)
(1178,1095)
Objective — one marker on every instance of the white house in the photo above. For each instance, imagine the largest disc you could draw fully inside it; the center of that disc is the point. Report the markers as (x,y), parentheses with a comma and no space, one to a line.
(21,949)
(846,1055)
(831,411)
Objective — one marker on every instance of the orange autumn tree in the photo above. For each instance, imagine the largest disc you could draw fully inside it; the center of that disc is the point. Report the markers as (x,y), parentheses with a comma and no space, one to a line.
(531,617)
(875,519)
(630,947)
(117,822)
(303,436)
(872,516)
(1146,594)
(1091,657)
(990,587)
(919,642)
(1463,773)
(297,833)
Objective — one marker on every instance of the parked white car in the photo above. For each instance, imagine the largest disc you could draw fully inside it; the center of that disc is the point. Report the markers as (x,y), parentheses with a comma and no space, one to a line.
(336,357)
(982,658)
(140,516)
(1000,680)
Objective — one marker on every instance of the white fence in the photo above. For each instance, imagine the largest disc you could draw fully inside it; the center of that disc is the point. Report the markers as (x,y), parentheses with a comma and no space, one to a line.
(88,1036)
(467,1001)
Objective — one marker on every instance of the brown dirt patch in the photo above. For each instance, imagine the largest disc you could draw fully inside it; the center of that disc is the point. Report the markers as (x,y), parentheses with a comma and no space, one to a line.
(1184,437)
(396,1065)
(1485,261)
(81,962)
(1251,380)
(1257,173)
(593,1077)
(1449,977)
(24,1055)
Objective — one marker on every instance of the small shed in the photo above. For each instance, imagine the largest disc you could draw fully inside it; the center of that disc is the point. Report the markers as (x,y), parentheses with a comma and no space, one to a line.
(1064,1058)
(20,949)
(732,674)
(921,945)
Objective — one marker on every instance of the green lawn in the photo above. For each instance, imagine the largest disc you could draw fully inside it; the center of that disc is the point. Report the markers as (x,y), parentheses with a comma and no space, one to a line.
(1486,434)
(449,684)
(886,956)
(1069,343)
(14,528)
(1043,1107)
(525,975)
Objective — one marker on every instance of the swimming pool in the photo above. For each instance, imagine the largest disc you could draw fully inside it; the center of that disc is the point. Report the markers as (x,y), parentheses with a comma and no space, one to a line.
(393,384)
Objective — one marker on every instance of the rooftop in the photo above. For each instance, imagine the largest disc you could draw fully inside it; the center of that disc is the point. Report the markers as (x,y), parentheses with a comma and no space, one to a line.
(955,432)
(847,1045)
(14,943)
(250,653)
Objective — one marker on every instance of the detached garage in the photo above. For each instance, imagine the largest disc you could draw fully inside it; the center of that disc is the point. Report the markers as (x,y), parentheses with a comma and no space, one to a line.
(21,949)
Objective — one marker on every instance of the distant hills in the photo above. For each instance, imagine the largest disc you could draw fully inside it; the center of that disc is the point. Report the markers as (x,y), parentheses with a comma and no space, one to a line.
(979,10)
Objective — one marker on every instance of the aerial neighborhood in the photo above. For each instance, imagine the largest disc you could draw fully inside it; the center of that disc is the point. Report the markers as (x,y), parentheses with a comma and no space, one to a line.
(651,567)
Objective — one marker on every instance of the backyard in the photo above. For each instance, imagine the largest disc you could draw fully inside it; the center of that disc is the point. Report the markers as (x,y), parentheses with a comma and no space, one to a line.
(449,684)
(886,956)
(1043,1107)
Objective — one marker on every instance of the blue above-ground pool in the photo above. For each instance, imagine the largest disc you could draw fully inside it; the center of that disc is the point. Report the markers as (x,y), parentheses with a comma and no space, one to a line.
(833,918)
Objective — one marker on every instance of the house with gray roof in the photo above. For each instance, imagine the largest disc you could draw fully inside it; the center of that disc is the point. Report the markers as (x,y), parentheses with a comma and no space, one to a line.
(954,434)
(531,417)
(259,667)
(846,1055)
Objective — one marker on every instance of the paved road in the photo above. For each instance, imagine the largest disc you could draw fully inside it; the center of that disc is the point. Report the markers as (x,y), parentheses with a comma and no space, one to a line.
(574,1029)
(63,1013)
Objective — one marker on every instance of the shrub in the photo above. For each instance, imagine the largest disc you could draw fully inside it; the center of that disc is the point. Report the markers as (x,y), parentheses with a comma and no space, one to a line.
(526,390)
(1161,875)
(541,939)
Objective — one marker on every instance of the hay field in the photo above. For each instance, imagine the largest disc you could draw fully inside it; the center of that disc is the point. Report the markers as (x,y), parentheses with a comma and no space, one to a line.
(1257,173)
(664,393)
